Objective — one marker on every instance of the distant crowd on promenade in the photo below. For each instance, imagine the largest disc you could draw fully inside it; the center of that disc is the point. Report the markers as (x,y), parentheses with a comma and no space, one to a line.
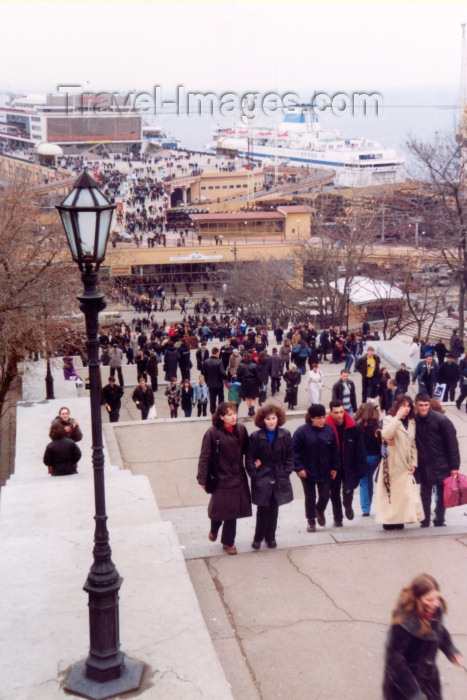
(244,368)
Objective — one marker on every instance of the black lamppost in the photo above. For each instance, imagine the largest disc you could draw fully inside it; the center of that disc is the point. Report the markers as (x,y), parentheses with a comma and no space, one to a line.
(49,381)
(86,216)
(348,291)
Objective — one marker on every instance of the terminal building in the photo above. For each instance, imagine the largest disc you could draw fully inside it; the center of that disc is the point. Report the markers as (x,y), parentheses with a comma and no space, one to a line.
(72,122)
(226,239)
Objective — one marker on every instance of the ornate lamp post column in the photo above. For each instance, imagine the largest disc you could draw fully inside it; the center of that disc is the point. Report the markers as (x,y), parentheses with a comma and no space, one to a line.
(348,291)
(86,216)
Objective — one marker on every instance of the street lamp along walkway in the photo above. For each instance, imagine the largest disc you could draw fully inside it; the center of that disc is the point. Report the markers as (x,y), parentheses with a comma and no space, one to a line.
(86,216)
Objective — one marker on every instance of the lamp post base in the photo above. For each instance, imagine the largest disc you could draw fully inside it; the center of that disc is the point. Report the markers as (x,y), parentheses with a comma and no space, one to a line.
(129,680)
(49,382)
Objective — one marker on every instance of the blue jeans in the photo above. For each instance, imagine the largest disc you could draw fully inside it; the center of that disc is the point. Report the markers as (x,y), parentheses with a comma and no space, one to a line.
(348,360)
(366,482)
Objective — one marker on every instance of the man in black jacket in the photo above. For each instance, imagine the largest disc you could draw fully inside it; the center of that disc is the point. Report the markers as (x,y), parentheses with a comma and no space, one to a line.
(438,456)
(462,381)
(369,367)
(202,355)
(225,353)
(316,461)
(427,374)
(143,397)
(214,374)
(111,398)
(353,461)
(184,360)
(141,362)
(344,390)
(449,374)
(403,378)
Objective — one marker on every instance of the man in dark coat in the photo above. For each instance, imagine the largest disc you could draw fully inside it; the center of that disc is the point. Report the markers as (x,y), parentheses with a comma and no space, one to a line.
(143,397)
(276,370)
(279,334)
(115,363)
(215,374)
(316,461)
(438,456)
(225,353)
(389,394)
(427,374)
(344,390)
(456,346)
(462,381)
(403,378)
(111,398)
(141,362)
(62,455)
(153,370)
(170,361)
(441,351)
(202,355)
(184,360)
(353,461)
(449,374)
(369,367)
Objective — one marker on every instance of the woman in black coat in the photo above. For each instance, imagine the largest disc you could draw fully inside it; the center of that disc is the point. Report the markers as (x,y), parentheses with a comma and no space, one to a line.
(292,379)
(72,428)
(263,370)
(269,463)
(247,375)
(62,455)
(416,634)
(186,396)
(170,361)
(226,443)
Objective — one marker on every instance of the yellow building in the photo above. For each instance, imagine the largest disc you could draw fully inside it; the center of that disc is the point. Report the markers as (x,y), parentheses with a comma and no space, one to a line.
(215,186)
(284,224)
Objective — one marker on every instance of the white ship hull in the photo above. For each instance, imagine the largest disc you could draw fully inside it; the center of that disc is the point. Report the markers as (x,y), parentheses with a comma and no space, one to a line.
(347,174)
(300,140)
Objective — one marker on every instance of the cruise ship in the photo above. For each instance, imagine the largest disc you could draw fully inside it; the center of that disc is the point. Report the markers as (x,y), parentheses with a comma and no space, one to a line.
(300,139)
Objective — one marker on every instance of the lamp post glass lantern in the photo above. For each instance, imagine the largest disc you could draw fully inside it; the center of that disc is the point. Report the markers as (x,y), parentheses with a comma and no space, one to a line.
(86,216)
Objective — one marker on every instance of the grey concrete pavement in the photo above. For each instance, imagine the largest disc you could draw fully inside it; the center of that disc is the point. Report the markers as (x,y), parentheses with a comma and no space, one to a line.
(307,620)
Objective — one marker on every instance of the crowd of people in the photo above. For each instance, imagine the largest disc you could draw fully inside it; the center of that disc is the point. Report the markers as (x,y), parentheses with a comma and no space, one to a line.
(391,451)
(401,449)
(414,448)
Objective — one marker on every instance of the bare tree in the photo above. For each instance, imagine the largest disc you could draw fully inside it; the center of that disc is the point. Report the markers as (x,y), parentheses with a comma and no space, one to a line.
(261,288)
(34,280)
(335,252)
(444,211)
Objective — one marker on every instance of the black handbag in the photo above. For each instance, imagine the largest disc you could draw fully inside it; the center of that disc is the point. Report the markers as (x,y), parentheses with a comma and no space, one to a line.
(213,470)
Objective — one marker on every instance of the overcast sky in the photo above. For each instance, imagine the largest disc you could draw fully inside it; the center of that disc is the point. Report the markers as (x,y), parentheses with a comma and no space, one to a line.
(231,45)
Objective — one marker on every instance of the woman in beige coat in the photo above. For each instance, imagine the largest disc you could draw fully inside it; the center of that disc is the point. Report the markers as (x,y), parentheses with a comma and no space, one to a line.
(397,500)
